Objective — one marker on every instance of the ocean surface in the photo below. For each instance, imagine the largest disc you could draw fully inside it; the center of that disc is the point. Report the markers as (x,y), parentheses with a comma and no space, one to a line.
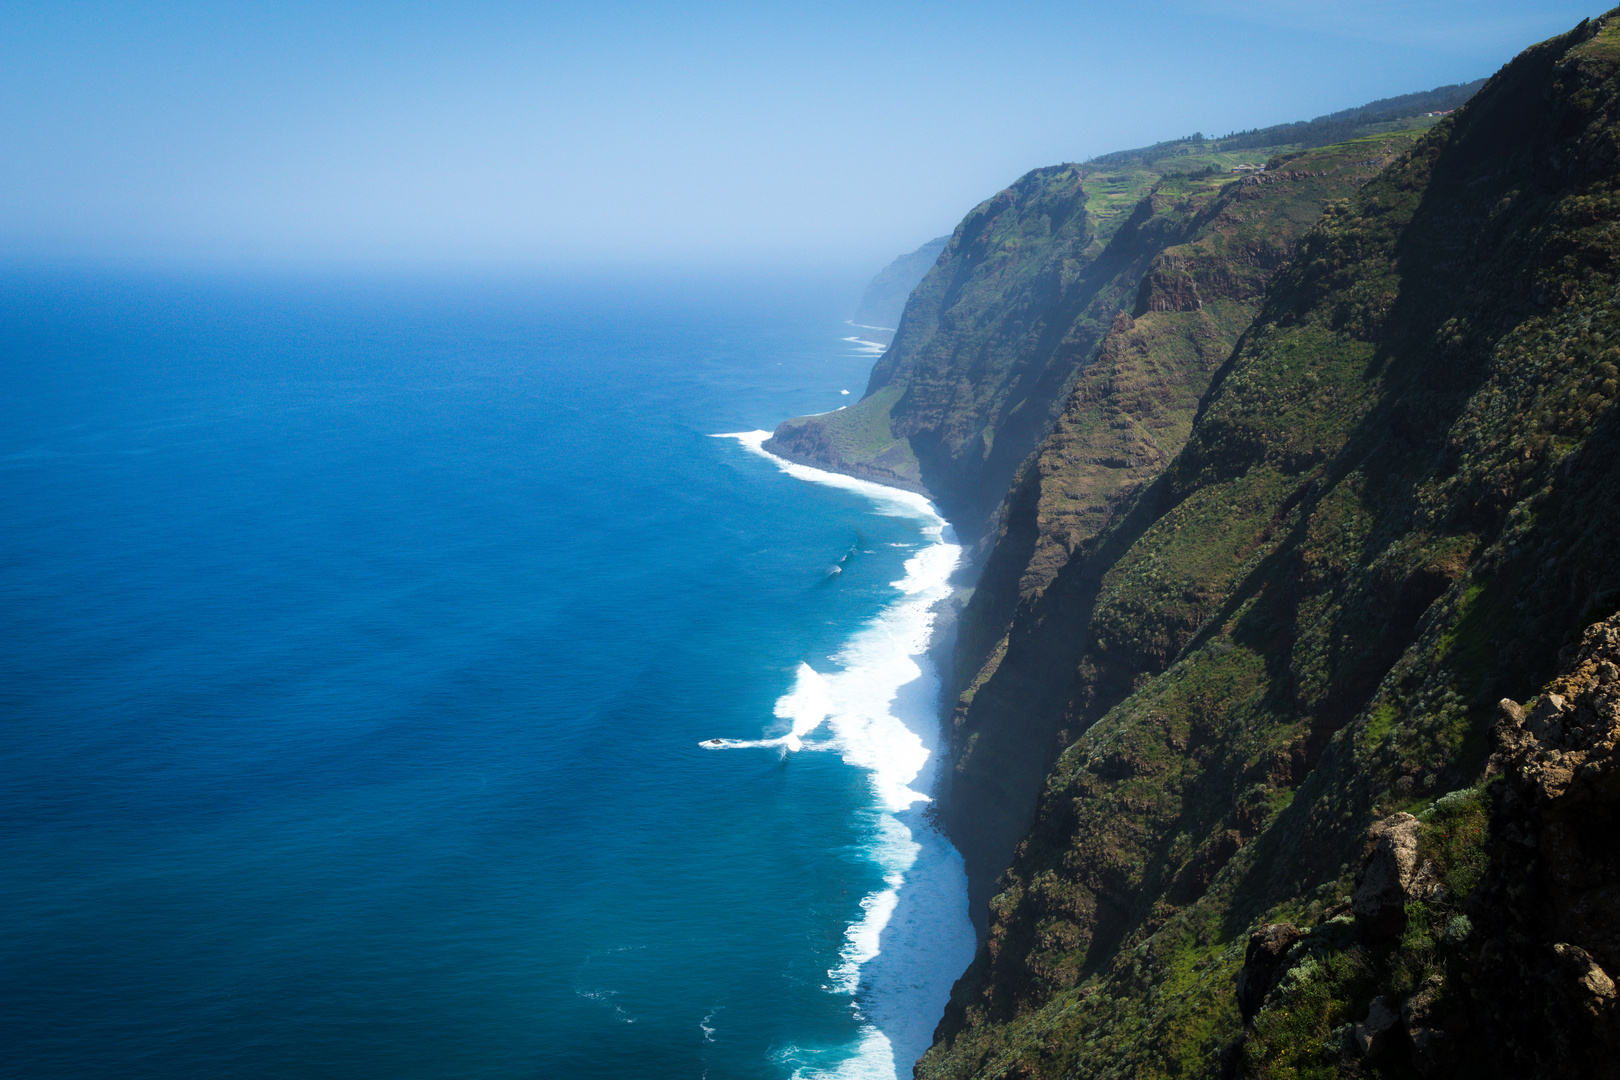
(402,679)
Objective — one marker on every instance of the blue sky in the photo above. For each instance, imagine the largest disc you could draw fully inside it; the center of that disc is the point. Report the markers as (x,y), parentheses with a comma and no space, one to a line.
(614,133)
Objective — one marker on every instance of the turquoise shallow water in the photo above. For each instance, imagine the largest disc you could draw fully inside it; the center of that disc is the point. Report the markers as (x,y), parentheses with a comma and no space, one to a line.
(362,635)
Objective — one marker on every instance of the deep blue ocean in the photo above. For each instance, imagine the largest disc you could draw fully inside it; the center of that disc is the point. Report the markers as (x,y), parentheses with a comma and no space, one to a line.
(361,639)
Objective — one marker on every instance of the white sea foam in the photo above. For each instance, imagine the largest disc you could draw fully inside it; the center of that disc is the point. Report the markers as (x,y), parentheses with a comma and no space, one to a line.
(891,502)
(913,938)
(805,707)
(867,346)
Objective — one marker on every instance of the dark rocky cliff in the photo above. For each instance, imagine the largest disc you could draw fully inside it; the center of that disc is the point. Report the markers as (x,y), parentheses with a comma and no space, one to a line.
(1263,616)
(1481,933)
(993,337)
(1213,251)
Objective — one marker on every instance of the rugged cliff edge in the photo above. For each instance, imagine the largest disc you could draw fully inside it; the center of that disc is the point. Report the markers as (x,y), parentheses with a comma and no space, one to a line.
(1267,607)
(985,345)
(1481,935)
(995,334)
(1214,249)
(1015,305)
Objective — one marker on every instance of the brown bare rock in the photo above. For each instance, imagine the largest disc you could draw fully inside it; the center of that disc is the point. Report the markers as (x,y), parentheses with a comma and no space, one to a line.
(1388,876)
(1425,1029)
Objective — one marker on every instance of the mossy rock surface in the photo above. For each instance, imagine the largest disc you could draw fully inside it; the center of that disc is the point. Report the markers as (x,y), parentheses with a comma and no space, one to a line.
(1394,504)
(1127,416)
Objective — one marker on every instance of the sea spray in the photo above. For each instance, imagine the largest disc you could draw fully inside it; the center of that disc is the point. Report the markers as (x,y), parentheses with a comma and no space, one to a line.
(805,707)
(913,938)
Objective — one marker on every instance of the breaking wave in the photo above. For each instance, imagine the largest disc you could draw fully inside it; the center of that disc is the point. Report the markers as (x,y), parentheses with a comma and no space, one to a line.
(880,709)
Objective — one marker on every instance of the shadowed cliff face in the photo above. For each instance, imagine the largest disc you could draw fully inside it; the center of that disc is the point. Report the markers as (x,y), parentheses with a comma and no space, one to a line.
(1028,284)
(1395,503)
(1483,934)
(1126,417)
(1544,938)
(885,298)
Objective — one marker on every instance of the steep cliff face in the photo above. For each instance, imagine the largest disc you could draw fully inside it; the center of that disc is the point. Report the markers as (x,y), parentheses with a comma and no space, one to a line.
(1126,417)
(994,335)
(1544,939)
(1027,285)
(975,357)
(1483,933)
(1395,502)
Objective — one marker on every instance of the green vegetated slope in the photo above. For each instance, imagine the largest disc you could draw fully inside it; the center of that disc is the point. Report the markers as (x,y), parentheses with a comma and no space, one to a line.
(1125,418)
(992,338)
(1396,503)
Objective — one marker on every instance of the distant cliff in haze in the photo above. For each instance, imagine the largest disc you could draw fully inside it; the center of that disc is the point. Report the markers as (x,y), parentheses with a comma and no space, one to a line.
(885,298)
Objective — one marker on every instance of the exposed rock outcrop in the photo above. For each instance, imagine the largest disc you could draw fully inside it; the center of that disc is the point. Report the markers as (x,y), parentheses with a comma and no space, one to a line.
(1372,1034)
(1432,1045)
(1522,986)
(1391,877)
(1547,914)
(1263,965)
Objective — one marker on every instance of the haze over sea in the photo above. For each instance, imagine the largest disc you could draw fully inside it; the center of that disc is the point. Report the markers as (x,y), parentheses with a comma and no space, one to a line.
(362,636)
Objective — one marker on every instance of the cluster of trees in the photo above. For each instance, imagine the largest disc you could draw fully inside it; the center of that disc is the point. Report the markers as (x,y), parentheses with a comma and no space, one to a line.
(1342,125)
(1307,134)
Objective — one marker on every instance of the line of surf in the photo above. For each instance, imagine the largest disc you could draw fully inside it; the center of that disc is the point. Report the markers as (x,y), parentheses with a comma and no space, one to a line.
(891,501)
(913,938)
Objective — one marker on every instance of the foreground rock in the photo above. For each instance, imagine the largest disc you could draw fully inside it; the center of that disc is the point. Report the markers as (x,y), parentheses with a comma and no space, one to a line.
(1389,878)
(1547,914)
